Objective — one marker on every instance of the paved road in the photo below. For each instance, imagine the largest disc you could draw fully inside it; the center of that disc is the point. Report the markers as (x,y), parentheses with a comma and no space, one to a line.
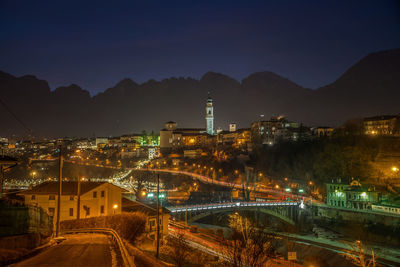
(77,250)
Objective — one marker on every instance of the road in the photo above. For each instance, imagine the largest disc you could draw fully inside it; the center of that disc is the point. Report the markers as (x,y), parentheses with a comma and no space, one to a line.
(205,179)
(77,250)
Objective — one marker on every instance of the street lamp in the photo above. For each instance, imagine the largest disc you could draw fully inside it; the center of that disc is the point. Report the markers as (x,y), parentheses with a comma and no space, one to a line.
(115,207)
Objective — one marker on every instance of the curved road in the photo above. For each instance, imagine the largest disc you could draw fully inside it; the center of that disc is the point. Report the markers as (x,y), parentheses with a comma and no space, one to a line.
(76,250)
(209,180)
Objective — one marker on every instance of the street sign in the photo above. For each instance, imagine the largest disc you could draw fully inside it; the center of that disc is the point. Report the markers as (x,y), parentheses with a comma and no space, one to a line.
(292,255)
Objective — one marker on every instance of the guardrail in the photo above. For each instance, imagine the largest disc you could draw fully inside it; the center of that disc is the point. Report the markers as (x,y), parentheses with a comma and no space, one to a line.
(231,205)
(127,260)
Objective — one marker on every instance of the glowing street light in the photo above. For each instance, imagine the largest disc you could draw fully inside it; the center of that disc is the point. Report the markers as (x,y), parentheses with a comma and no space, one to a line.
(395,169)
(115,207)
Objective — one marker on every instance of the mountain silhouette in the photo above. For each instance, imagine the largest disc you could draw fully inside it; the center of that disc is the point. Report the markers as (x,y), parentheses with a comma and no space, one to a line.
(368,88)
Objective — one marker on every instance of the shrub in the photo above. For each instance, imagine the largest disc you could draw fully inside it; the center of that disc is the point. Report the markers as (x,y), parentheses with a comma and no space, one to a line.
(128,225)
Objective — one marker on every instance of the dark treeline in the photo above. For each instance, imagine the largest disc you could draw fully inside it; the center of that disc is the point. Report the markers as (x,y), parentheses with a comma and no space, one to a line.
(321,160)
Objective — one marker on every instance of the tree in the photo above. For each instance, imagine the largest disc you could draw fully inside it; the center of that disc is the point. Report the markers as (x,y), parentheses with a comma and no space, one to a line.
(358,256)
(249,246)
(178,248)
(139,182)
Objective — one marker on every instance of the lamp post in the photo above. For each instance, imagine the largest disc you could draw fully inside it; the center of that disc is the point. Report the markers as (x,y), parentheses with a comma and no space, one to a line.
(158,216)
(59,191)
(115,207)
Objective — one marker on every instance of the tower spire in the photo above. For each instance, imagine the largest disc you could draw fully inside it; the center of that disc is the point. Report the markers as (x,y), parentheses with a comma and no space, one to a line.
(209,115)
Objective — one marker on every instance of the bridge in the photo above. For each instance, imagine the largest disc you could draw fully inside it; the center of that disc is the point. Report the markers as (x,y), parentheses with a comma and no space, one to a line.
(286,211)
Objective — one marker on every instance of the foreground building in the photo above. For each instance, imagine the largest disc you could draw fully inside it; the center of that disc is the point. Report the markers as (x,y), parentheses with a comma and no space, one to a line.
(151,216)
(96,199)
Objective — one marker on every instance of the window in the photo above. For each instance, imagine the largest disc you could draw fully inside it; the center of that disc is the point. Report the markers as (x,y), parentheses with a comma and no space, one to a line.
(33,197)
(71,197)
(152,224)
(51,211)
(102,208)
(95,194)
(71,211)
(52,197)
(102,194)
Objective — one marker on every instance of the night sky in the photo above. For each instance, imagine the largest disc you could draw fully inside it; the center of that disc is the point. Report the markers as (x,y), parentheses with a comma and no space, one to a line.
(97,44)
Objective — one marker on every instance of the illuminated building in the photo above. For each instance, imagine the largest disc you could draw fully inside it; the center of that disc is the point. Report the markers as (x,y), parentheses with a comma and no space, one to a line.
(382,125)
(101,142)
(240,138)
(172,137)
(323,131)
(277,129)
(232,127)
(351,196)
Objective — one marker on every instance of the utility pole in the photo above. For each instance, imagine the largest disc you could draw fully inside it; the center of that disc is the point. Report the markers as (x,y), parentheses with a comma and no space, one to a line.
(78,208)
(59,191)
(1,180)
(158,215)
(1,175)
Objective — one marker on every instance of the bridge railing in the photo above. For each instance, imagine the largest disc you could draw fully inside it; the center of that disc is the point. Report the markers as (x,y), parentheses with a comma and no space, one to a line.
(205,207)
(127,260)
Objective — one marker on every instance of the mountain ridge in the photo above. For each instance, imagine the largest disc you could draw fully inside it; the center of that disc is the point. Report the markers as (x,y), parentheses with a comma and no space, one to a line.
(368,87)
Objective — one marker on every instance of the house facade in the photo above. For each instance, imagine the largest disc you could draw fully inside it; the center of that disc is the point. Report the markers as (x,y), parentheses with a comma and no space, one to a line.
(96,199)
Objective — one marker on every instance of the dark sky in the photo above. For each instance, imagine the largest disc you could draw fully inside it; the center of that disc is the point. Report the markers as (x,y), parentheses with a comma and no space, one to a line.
(97,44)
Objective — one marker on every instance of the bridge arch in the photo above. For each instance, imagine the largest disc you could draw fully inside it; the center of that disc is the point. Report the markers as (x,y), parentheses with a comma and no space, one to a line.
(269,211)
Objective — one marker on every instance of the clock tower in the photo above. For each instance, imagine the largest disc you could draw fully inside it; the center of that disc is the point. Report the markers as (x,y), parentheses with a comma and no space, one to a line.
(209,116)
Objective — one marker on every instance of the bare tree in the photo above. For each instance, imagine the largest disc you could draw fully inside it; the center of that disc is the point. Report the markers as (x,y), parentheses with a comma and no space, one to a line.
(178,249)
(249,246)
(358,255)
(138,182)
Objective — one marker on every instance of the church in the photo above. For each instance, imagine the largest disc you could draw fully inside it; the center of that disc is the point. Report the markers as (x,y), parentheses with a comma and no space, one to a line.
(173,138)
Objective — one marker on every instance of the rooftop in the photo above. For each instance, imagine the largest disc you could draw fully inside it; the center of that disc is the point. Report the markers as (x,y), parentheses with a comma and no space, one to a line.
(68,188)
(381,117)
(132,206)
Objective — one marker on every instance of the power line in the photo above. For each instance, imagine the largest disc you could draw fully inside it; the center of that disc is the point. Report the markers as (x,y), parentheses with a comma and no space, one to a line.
(15,116)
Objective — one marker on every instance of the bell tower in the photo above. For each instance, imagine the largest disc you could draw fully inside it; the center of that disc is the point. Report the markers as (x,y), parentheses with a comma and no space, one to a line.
(209,116)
